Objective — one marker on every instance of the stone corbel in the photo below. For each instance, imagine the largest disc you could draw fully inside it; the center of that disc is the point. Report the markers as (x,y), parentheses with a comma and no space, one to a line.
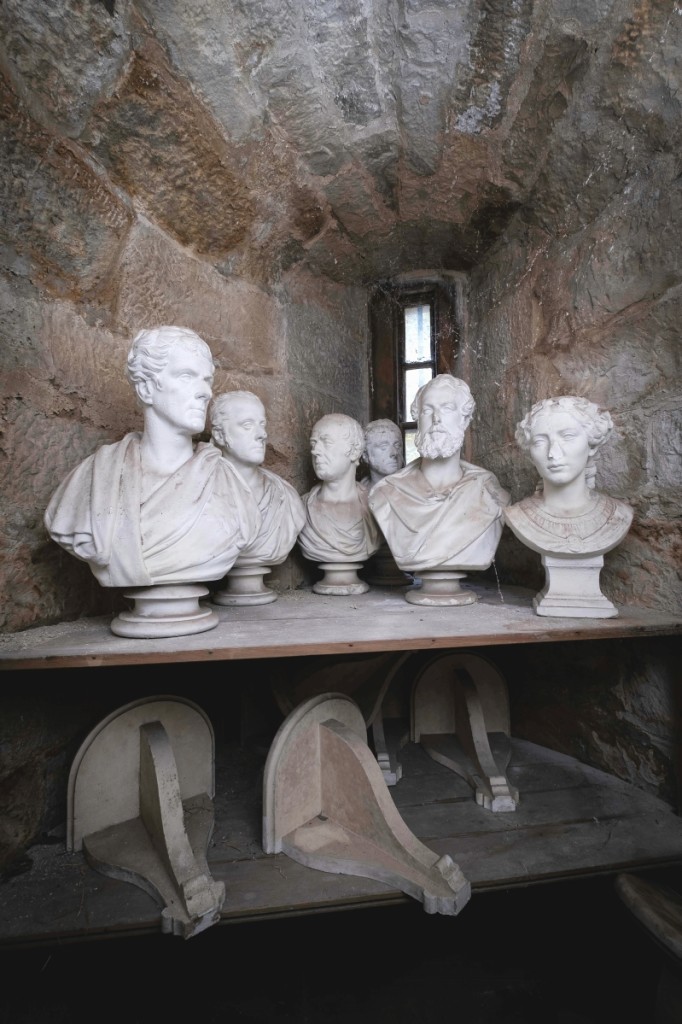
(326,805)
(140,806)
(460,716)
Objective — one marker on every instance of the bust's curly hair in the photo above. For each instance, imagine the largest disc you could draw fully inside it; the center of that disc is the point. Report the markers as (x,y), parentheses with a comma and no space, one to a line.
(597,423)
(150,350)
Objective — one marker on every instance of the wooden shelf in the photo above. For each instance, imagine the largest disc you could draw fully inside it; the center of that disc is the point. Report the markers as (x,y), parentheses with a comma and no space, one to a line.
(573,821)
(303,623)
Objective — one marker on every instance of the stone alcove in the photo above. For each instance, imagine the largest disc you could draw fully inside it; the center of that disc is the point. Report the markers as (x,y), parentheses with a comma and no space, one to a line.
(252,170)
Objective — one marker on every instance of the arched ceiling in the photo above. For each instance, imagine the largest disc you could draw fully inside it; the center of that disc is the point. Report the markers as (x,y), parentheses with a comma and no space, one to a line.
(362,138)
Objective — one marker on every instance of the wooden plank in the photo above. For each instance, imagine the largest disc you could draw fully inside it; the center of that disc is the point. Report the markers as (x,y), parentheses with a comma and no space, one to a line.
(573,820)
(303,623)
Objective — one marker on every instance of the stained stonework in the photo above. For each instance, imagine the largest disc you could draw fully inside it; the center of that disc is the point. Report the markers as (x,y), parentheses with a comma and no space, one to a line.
(252,170)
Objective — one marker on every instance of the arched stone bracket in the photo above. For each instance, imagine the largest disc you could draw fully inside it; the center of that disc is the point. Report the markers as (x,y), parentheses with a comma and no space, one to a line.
(460,716)
(140,806)
(326,805)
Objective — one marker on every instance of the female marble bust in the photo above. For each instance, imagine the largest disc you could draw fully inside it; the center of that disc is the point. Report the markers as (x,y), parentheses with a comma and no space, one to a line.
(567,521)
(567,516)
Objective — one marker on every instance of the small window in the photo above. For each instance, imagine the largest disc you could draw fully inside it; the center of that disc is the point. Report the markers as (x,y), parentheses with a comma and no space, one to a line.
(416,361)
(414,337)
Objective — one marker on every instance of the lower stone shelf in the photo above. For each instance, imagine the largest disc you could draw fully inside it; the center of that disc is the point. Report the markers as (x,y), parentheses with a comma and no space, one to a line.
(572,821)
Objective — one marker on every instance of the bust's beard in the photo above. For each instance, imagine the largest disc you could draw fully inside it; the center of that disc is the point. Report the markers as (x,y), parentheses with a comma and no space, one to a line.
(438,444)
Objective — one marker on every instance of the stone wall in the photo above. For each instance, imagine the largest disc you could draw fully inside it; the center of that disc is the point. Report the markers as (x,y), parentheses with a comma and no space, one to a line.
(126,207)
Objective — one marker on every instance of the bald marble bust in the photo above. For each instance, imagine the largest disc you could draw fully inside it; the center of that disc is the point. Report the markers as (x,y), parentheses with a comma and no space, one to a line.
(339,526)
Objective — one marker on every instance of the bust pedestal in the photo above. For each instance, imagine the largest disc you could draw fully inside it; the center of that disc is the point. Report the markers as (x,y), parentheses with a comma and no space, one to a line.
(440,587)
(572,589)
(382,570)
(245,586)
(169,609)
(340,579)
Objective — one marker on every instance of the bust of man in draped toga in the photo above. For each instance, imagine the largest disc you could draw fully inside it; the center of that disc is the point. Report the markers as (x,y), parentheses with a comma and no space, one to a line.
(339,526)
(154,507)
(440,512)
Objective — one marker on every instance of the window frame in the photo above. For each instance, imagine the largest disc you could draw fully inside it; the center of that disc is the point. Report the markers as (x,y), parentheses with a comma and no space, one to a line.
(387,322)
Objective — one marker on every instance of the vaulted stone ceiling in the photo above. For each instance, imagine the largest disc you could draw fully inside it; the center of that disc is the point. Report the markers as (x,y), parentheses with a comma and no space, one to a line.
(363,138)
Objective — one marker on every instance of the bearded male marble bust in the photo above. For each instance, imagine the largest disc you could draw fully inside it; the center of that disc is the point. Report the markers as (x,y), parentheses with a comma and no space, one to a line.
(440,512)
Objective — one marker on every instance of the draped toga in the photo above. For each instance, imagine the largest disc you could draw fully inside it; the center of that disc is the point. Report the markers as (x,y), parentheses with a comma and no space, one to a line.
(456,528)
(190,529)
(325,537)
(282,517)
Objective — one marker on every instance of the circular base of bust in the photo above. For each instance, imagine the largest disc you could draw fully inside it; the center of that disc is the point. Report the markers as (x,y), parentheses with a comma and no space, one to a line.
(440,588)
(340,579)
(164,611)
(245,587)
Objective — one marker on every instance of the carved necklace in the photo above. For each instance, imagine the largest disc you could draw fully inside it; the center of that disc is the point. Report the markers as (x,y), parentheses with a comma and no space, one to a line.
(572,529)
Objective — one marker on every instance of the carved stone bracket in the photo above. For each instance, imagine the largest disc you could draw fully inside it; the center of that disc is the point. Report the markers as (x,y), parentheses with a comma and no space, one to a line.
(140,807)
(460,716)
(326,805)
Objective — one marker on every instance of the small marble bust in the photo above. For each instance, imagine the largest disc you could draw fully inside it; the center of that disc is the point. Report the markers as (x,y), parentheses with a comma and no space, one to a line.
(239,429)
(383,455)
(566,520)
(155,508)
(383,450)
(440,512)
(339,527)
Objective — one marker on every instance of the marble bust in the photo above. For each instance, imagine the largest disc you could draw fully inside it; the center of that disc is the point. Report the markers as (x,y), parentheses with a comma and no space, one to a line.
(383,450)
(383,454)
(441,516)
(155,508)
(339,529)
(239,429)
(566,520)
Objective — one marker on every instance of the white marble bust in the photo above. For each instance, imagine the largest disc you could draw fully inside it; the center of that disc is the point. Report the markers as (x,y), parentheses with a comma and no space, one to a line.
(154,507)
(383,451)
(339,526)
(440,512)
(239,429)
(567,516)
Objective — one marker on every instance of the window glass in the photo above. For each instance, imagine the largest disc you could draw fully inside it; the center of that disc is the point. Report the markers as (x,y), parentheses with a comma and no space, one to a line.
(417,333)
(410,448)
(413,381)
